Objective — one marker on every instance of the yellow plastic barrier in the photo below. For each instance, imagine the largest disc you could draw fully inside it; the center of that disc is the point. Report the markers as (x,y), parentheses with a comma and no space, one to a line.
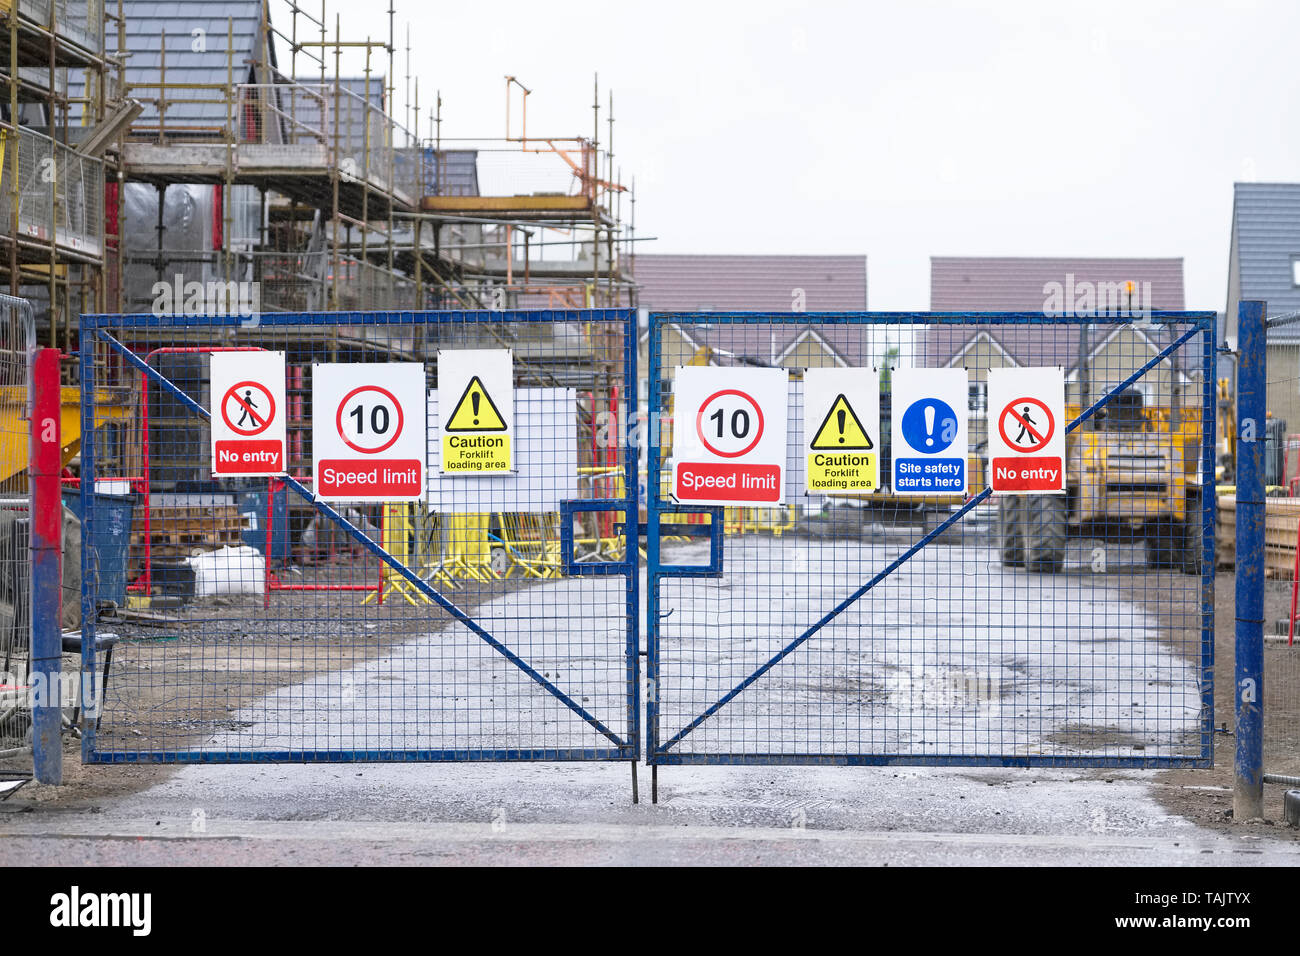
(400,540)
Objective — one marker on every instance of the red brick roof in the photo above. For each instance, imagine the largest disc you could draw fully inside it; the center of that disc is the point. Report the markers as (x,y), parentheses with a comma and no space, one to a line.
(982,284)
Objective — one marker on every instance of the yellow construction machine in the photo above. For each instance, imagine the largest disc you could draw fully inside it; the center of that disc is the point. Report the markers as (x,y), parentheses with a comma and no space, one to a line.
(13,426)
(1132,474)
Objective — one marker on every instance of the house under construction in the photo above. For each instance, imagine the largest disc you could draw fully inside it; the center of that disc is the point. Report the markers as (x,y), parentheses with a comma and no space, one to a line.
(152,146)
(60,109)
(213,156)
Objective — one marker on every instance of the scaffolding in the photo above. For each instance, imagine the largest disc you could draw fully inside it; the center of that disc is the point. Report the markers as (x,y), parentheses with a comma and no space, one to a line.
(255,161)
(540,222)
(58,121)
(350,208)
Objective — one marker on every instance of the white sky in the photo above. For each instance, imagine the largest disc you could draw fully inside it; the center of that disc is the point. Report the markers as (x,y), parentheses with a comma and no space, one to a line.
(895,130)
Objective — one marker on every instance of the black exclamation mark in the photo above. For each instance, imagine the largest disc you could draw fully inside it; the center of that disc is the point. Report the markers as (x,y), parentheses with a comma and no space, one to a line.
(840,416)
(474,400)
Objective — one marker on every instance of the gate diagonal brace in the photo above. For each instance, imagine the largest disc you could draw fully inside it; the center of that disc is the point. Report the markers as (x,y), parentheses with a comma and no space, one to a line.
(411,577)
(914,549)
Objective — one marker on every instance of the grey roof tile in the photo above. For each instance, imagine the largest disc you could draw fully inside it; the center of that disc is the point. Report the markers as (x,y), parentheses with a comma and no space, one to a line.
(1266,222)
(147,21)
(735,283)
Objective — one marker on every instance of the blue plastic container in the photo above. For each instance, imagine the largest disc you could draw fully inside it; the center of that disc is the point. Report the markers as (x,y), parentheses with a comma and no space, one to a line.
(112,545)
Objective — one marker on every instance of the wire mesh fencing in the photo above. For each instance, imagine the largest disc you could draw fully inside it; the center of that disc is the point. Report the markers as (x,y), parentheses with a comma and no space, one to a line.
(492,618)
(1281,549)
(880,627)
(60,194)
(17,343)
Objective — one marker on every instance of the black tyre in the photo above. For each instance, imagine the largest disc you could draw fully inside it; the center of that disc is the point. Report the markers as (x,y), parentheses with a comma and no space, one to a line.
(1191,551)
(1164,544)
(1010,540)
(1044,533)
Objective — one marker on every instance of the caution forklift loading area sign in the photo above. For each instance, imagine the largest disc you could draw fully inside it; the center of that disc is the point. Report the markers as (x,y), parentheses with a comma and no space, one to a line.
(476,405)
(841,424)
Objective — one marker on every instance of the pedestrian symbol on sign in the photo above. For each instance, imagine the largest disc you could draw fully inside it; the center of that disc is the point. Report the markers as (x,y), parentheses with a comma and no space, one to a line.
(1026,424)
(248,405)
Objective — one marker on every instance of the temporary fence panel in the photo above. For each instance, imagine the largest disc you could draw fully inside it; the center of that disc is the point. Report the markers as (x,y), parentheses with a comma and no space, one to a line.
(876,627)
(17,349)
(1281,598)
(474,618)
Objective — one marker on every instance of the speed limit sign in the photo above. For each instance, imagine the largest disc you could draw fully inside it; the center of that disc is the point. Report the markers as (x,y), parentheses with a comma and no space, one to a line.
(368,431)
(729,435)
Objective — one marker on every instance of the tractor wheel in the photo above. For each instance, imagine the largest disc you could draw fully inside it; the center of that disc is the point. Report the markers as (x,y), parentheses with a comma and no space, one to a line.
(1191,551)
(1044,532)
(1010,519)
(1164,544)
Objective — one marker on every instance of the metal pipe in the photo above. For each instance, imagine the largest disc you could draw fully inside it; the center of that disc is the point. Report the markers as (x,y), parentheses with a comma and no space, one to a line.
(1248,784)
(1286,318)
(1282,779)
(46,543)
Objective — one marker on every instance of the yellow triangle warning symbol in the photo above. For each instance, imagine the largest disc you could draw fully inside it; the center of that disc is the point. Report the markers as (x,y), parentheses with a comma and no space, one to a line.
(475,412)
(841,430)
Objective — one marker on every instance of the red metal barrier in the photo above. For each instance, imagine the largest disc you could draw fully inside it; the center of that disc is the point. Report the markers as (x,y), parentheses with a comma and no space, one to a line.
(46,530)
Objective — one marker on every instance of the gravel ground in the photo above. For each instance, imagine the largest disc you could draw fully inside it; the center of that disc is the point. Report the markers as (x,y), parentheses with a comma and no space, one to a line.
(561,813)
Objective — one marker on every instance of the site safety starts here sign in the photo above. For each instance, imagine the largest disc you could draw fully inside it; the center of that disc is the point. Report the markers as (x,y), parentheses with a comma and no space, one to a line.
(841,427)
(248,411)
(729,435)
(928,412)
(368,431)
(476,411)
(1026,426)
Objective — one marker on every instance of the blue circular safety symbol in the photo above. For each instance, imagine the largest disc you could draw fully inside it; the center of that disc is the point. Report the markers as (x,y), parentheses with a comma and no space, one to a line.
(929,425)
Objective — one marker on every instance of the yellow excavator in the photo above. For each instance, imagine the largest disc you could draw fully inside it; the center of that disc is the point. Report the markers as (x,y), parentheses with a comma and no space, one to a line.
(14,434)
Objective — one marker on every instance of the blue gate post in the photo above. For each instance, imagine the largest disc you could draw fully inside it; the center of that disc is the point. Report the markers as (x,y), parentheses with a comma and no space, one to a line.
(1248,787)
(46,529)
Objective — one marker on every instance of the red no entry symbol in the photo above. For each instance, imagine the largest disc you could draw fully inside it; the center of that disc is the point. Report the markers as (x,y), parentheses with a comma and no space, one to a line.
(248,408)
(1026,425)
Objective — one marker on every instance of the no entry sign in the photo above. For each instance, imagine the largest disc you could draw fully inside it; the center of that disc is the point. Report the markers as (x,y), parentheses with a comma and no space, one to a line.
(1027,430)
(247,413)
(729,435)
(929,430)
(368,431)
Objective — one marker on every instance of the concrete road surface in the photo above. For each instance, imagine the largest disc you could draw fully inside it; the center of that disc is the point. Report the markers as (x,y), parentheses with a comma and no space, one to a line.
(565,814)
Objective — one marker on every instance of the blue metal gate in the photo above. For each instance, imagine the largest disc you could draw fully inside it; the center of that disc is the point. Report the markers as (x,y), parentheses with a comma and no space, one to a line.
(254,622)
(879,629)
